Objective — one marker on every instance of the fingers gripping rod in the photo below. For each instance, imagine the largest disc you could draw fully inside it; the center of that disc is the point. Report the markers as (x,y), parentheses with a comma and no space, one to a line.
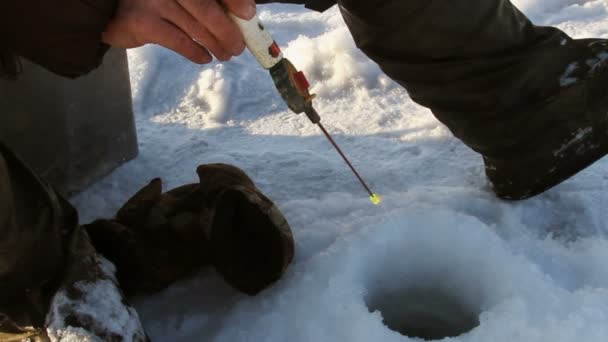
(291,83)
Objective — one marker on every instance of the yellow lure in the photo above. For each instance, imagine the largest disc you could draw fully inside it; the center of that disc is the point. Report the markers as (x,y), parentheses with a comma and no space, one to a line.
(376,199)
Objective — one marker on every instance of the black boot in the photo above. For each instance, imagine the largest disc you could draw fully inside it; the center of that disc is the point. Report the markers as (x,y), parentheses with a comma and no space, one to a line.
(530,99)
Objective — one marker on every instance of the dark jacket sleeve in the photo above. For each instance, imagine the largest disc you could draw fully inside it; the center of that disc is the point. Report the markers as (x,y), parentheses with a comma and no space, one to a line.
(316,5)
(63,36)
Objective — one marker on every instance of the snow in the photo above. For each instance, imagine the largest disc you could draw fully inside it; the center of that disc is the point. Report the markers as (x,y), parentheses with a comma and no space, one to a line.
(441,247)
(101,302)
(568,78)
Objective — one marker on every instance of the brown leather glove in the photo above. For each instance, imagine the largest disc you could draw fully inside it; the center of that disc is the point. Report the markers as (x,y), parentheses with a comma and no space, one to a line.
(224,221)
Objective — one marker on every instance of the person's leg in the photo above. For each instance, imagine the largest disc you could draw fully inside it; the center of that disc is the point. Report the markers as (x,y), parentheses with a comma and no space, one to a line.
(518,94)
(49,271)
(31,243)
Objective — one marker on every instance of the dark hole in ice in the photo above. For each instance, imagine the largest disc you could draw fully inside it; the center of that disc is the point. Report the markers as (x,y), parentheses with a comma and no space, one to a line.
(427,313)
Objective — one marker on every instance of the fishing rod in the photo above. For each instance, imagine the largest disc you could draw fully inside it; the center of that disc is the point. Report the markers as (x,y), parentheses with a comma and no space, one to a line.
(291,83)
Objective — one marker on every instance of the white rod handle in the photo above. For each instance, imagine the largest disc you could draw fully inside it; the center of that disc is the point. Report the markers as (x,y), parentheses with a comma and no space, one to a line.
(259,41)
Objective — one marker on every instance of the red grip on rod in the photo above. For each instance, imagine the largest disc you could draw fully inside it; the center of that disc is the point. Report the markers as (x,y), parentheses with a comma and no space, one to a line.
(301,80)
(274,50)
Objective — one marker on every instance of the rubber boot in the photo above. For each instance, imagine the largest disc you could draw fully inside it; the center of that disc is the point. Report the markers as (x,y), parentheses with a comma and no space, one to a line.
(529,99)
(223,221)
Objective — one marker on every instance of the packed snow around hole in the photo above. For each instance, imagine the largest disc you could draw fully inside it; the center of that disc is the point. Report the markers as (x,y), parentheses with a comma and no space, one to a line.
(525,271)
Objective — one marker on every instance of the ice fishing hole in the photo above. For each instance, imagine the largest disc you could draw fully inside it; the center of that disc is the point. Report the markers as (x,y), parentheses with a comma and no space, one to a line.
(429,313)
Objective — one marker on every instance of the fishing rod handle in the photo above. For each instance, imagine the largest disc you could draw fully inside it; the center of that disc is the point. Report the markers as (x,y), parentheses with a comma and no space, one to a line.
(259,41)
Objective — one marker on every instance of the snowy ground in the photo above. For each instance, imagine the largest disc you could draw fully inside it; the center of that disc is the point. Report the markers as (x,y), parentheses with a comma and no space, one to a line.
(441,248)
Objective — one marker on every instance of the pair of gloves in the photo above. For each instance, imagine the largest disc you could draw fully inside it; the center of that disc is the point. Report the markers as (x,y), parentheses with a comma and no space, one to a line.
(224,221)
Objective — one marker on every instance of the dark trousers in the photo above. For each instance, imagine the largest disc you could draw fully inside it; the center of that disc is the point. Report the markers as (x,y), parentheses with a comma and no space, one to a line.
(43,250)
(35,226)
(510,90)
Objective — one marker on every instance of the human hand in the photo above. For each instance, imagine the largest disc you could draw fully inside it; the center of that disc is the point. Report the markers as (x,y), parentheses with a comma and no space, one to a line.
(193,28)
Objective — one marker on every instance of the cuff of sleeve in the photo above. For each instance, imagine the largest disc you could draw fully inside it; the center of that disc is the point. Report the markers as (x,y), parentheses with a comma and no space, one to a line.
(65,39)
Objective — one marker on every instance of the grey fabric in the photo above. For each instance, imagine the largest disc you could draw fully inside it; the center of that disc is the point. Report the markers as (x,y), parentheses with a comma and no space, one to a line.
(76,131)
(497,81)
